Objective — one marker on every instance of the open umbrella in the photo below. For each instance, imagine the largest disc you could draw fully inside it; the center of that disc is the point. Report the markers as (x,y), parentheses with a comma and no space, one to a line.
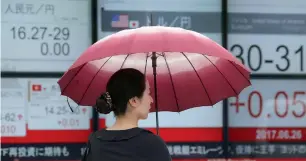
(187,69)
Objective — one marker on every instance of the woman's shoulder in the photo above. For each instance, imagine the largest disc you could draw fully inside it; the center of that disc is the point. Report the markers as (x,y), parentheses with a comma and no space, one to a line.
(151,137)
(152,141)
(154,147)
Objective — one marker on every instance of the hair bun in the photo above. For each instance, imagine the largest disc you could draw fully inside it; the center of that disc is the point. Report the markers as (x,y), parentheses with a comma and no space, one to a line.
(104,104)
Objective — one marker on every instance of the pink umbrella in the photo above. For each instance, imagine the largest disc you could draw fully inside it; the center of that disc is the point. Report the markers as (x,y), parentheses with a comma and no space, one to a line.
(187,69)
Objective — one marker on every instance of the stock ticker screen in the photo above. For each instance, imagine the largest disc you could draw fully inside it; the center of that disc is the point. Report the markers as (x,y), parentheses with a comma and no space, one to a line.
(43,36)
(37,123)
(267,121)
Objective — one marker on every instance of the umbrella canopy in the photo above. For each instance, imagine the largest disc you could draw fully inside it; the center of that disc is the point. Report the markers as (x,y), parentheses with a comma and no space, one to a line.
(191,70)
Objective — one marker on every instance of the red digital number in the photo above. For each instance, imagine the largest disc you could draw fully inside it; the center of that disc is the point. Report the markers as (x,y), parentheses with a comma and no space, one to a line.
(8,129)
(296,101)
(276,105)
(70,122)
(250,108)
(256,112)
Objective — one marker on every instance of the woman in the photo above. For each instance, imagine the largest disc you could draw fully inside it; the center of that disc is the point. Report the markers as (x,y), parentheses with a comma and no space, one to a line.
(128,96)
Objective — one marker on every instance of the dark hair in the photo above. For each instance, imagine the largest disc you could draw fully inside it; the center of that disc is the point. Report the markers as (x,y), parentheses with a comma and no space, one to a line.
(121,87)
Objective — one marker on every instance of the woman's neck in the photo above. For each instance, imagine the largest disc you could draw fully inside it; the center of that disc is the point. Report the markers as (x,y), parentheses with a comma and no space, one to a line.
(124,122)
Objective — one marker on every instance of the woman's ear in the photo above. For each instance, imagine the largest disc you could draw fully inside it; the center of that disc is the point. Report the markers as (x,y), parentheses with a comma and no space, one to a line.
(134,102)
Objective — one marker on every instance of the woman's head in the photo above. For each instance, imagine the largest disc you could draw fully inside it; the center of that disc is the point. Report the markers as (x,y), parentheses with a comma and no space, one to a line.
(127,91)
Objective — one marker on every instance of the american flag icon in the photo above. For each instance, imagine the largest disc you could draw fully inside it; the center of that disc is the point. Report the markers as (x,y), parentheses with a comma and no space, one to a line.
(120,21)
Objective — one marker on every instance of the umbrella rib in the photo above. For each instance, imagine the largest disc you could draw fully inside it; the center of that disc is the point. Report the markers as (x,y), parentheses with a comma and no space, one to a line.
(124,60)
(177,104)
(145,69)
(198,77)
(93,79)
(221,74)
(240,72)
(73,77)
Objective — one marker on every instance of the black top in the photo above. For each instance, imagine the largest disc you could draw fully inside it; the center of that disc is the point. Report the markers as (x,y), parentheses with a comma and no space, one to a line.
(134,144)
